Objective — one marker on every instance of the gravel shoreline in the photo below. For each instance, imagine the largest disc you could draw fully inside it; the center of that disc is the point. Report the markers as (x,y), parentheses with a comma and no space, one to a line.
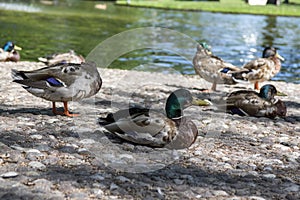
(43,156)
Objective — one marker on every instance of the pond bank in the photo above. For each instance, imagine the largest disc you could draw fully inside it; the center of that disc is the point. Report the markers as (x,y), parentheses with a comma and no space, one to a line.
(226,6)
(43,156)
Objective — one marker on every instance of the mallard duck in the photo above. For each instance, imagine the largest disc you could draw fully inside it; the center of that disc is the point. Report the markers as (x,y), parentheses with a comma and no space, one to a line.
(261,69)
(69,57)
(9,52)
(141,126)
(212,68)
(61,83)
(251,103)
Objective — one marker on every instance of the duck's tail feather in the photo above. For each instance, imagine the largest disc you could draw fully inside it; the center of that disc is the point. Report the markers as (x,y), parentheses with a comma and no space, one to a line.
(18,75)
(241,76)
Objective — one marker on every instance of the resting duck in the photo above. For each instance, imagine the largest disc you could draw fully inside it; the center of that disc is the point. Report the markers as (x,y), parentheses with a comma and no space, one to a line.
(212,68)
(69,57)
(251,103)
(139,125)
(9,52)
(61,83)
(261,69)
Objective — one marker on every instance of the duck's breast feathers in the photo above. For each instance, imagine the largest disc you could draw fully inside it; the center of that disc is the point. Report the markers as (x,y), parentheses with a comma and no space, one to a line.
(186,134)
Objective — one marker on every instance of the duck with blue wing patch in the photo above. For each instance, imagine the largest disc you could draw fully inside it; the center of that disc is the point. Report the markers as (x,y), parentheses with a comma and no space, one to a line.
(61,83)
(212,68)
(261,69)
(9,52)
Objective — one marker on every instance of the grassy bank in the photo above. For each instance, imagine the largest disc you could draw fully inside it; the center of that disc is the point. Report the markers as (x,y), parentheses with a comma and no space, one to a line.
(224,6)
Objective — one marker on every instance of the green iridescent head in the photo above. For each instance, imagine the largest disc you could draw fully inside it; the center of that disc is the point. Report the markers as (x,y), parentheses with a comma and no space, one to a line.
(177,102)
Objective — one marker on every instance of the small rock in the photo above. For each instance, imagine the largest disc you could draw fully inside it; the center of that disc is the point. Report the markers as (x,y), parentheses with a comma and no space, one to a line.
(36,137)
(281,147)
(98,193)
(122,179)
(256,198)
(292,188)
(79,196)
(269,176)
(37,165)
(9,175)
(97,177)
(42,185)
(83,151)
(178,181)
(113,186)
(87,141)
(219,193)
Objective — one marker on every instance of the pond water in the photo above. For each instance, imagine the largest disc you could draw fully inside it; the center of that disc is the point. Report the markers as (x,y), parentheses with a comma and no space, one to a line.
(45,27)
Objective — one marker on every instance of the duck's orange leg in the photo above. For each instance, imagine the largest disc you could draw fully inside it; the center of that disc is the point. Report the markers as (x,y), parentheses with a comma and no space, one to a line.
(66,111)
(256,86)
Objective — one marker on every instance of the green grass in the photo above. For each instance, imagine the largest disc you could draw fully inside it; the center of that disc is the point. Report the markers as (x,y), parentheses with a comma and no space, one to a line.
(224,6)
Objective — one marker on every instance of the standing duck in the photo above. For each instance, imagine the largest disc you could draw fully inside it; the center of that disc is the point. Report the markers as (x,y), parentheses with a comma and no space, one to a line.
(9,52)
(212,68)
(61,83)
(155,129)
(251,103)
(261,69)
(68,57)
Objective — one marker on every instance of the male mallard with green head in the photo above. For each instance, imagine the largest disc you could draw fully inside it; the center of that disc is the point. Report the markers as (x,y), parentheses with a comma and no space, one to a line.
(261,69)
(212,68)
(155,129)
(61,83)
(9,52)
(251,103)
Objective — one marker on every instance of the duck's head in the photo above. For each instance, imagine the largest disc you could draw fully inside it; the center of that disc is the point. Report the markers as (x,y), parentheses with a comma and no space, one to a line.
(268,92)
(177,102)
(10,46)
(204,48)
(271,52)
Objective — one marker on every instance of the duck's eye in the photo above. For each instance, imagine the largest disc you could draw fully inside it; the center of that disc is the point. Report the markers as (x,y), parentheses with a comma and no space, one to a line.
(65,70)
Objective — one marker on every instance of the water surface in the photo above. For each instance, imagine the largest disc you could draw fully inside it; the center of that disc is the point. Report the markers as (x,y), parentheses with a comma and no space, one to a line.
(42,28)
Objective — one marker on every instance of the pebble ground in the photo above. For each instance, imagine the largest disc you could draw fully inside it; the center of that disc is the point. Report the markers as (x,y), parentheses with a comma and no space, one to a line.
(43,156)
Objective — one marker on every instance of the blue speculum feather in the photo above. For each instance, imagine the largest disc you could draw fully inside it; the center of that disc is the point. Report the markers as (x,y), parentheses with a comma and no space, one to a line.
(54,82)
(225,70)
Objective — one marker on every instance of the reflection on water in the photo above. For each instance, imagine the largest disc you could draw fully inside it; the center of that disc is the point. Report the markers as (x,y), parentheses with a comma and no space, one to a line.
(78,25)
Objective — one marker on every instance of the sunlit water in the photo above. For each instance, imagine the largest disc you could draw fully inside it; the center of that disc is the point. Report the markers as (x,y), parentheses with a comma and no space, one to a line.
(46,27)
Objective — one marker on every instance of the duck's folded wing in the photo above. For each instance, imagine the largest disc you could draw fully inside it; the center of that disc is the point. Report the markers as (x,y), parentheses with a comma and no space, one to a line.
(140,125)
(141,130)
(248,105)
(258,63)
(142,138)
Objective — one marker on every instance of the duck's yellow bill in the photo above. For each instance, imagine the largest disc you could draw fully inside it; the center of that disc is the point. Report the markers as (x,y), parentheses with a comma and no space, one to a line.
(280,57)
(17,48)
(279,93)
(201,102)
